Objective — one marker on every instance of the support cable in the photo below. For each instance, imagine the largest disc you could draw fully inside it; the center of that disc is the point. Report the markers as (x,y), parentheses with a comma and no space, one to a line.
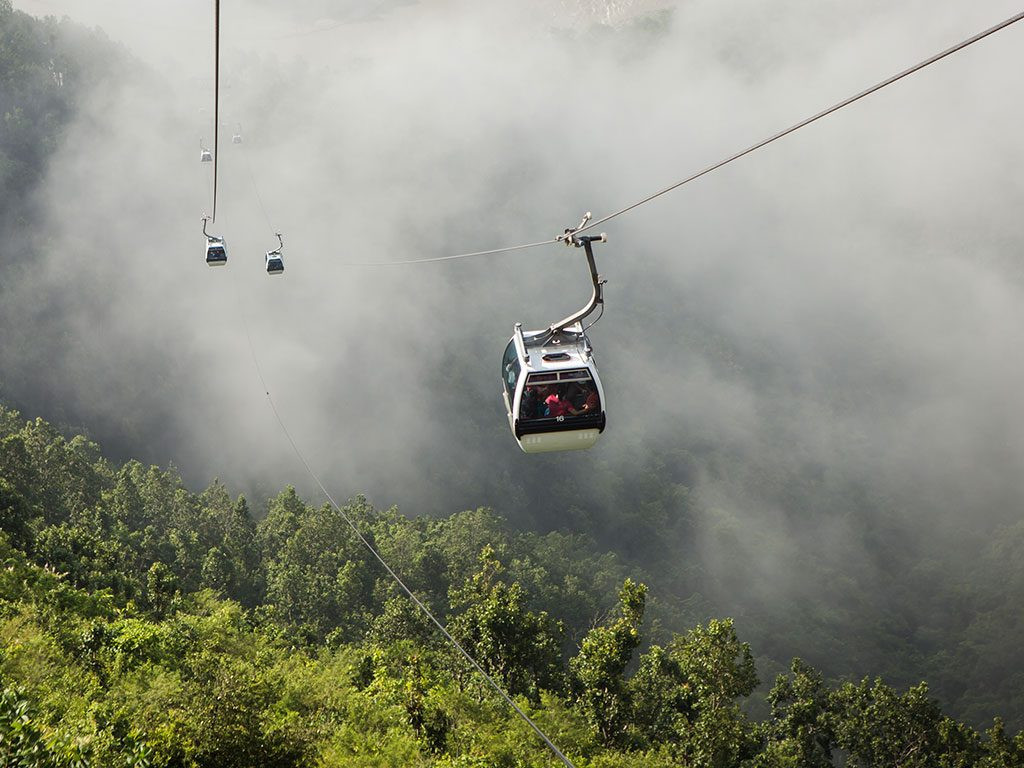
(509,249)
(373,551)
(560,238)
(803,123)
(846,102)
(216,101)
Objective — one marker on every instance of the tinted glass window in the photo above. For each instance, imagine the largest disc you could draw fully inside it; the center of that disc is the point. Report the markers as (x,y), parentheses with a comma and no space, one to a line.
(559,399)
(510,369)
(537,378)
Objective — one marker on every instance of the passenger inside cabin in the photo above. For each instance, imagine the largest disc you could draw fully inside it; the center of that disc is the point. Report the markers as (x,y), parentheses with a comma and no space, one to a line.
(530,404)
(558,405)
(574,395)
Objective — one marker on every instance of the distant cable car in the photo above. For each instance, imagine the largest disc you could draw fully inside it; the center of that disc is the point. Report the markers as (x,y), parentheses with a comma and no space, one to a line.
(236,138)
(216,248)
(205,155)
(552,393)
(275,262)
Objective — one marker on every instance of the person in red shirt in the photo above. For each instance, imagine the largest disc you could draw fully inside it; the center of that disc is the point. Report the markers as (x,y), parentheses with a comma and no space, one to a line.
(557,406)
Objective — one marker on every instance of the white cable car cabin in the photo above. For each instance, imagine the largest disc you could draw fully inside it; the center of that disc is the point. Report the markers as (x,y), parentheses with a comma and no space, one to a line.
(552,393)
(553,396)
(275,262)
(216,252)
(205,155)
(216,248)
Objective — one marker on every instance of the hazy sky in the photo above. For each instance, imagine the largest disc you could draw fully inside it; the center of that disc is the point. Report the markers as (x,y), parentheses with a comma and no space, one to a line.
(849,299)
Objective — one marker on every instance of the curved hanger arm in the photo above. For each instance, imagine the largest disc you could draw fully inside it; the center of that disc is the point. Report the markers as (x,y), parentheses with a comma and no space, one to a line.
(597,297)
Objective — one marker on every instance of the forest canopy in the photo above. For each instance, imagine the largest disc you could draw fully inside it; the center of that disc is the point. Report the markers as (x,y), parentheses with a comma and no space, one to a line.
(147,625)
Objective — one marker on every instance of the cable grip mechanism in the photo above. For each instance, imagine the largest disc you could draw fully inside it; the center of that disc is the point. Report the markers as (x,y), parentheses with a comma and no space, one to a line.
(567,235)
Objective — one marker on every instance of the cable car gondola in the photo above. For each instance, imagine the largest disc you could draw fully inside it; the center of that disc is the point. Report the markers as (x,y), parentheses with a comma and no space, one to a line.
(205,155)
(216,248)
(275,262)
(552,393)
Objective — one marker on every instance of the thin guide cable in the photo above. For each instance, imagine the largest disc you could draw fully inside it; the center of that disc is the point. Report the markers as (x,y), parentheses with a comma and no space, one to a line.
(509,249)
(355,529)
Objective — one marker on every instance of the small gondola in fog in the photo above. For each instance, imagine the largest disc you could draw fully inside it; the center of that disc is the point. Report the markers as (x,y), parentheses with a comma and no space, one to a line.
(275,261)
(216,248)
(205,155)
(552,392)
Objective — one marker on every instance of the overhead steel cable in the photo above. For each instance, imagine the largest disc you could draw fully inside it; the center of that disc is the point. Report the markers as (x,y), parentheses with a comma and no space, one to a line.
(216,102)
(753,148)
(846,102)
(398,580)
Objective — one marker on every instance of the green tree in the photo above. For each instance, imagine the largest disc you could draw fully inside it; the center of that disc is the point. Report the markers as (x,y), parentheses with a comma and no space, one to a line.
(161,586)
(217,573)
(1000,750)
(719,671)
(124,501)
(599,667)
(400,620)
(15,515)
(662,698)
(318,579)
(22,740)
(879,726)
(242,550)
(233,699)
(799,732)
(516,646)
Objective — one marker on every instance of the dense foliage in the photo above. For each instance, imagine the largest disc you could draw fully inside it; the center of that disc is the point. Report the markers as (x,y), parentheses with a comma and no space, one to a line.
(145,625)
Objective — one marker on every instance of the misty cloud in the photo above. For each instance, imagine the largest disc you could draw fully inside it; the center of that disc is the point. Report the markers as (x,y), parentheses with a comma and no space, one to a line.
(845,303)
